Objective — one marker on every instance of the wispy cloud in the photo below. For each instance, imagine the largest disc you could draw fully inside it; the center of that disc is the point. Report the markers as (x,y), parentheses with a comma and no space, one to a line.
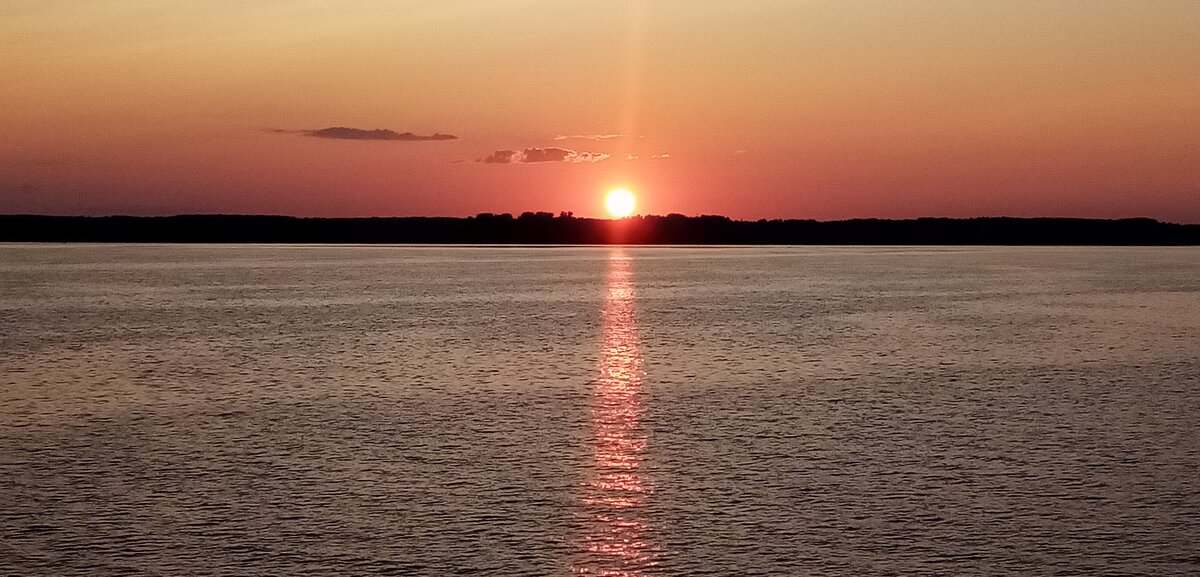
(661,156)
(345,133)
(535,155)
(587,136)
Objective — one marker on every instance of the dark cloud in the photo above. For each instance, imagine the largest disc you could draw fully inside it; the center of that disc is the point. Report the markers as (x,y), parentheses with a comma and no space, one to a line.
(344,133)
(546,154)
(534,155)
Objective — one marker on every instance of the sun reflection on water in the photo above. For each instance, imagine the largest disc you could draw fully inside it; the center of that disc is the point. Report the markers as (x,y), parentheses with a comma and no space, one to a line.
(615,535)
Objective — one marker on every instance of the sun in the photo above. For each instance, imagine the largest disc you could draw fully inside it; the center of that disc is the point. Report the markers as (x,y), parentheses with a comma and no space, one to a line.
(620,202)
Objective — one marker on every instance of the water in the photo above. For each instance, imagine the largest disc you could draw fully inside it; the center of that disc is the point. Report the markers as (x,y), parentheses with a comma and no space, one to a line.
(276,410)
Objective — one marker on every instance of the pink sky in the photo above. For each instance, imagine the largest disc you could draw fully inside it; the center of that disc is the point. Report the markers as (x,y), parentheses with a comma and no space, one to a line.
(771,109)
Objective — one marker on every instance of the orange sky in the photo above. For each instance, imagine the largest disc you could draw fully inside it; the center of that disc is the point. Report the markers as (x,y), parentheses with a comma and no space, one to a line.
(764,109)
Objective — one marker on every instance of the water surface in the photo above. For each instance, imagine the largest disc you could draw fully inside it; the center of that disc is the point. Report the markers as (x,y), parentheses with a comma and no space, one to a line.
(283,410)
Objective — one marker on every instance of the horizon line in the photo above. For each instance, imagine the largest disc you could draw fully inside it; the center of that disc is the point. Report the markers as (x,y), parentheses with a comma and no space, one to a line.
(570,214)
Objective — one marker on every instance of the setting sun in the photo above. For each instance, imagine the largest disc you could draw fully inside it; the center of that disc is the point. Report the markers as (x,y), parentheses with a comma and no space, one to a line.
(619,202)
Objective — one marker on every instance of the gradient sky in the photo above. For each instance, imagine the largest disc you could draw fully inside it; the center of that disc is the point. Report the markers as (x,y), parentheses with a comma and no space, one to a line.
(757,109)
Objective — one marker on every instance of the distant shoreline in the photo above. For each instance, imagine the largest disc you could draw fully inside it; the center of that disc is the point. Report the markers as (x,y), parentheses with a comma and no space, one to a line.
(547,228)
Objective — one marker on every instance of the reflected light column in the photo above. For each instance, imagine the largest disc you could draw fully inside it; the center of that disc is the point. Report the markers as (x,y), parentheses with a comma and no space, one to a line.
(615,534)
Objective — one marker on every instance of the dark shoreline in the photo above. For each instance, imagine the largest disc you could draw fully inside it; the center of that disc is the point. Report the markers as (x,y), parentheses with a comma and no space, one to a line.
(546,228)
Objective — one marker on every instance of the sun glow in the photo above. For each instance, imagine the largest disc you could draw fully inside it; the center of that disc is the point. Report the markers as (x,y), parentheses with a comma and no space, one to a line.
(620,202)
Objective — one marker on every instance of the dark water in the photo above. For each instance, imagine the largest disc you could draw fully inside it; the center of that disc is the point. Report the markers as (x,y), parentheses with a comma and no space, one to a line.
(171,410)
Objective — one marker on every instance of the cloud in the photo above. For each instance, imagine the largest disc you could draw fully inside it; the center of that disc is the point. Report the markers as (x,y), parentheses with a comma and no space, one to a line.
(499,157)
(546,154)
(587,136)
(535,155)
(663,155)
(589,157)
(344,133)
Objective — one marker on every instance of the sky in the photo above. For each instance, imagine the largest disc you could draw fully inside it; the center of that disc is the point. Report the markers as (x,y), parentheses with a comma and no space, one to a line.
(755,109)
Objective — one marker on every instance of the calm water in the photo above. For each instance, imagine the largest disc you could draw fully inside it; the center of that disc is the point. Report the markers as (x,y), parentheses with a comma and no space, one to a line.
(241,410)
